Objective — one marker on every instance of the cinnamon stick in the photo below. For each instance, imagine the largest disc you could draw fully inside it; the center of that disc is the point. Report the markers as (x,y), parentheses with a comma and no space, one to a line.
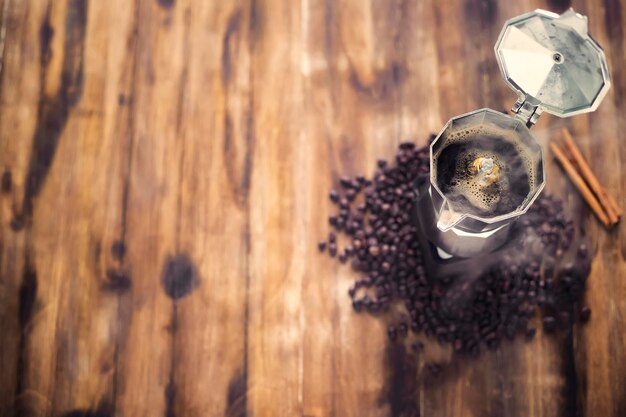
(604,198)
(614,204)
(580,184)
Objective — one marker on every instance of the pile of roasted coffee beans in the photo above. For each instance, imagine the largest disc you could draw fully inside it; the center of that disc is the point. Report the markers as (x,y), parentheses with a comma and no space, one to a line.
(376,217)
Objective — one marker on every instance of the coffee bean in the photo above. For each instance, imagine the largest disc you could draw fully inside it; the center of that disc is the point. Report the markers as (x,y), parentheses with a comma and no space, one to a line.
(434,368)
(549,323)
(321,246)
(352,291)
(334,196)
(458,345)
(569,268)
(403,329)
(345,182)
(417,346)
(585,314)
(493,344)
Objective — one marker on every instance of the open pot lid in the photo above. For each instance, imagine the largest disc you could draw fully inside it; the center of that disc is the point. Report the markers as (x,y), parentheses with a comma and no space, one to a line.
(553,64)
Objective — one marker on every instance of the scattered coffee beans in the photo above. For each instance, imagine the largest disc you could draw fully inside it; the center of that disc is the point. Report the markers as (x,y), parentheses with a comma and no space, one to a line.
(377,217)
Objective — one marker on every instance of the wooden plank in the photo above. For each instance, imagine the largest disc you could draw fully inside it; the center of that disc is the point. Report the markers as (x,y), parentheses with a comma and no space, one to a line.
(73,153)
(367,72)
(20,92)
(162,276)
(353,75)
(600,370)
(217,127)
(320,311)
(89,166)
(276,232)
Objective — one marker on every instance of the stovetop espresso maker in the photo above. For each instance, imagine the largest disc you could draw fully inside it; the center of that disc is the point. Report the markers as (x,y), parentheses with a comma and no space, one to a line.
(486,167)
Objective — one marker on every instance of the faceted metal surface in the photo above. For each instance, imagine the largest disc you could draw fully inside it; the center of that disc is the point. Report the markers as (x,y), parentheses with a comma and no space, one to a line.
(484,120)
(553,62)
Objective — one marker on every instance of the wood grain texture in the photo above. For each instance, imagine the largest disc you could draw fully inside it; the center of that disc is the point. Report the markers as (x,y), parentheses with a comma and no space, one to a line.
(164,169)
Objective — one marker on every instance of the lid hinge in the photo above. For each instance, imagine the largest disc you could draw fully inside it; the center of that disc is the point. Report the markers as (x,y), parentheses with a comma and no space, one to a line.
(526,111)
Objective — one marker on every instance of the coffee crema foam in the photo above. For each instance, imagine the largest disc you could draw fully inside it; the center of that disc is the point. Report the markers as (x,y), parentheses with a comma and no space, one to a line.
(464,188)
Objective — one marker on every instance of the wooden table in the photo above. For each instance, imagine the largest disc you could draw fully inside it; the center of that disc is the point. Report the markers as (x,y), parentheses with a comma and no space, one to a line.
(165,166)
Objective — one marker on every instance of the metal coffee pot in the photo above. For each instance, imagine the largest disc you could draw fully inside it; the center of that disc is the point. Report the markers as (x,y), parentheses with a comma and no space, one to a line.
(555,66)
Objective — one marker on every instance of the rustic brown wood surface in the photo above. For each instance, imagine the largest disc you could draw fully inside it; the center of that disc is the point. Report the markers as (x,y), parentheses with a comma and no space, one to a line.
(165,166)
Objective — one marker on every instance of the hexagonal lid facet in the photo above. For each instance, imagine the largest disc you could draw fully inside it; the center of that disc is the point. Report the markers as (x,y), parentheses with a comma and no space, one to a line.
(553,63)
